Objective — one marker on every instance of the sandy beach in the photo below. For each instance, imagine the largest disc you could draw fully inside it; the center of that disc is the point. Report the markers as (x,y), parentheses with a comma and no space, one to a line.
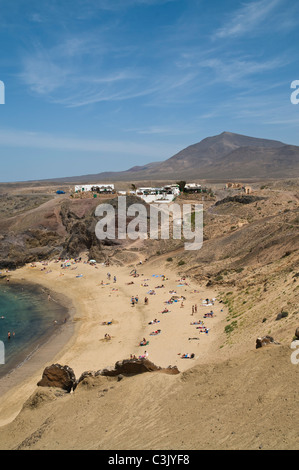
(100,306)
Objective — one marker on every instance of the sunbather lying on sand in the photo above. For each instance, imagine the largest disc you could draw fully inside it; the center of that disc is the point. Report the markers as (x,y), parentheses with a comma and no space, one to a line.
(210,314)
(165,310)
(143,342)
(188,356)
(155,332)
(154,321)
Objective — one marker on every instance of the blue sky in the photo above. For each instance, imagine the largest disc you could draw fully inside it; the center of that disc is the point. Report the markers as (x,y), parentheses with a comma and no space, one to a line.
(100,85)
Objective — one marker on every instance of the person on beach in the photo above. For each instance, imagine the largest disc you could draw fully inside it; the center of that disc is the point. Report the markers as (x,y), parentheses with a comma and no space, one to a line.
(145,300)
(144,356)
(153,333)
(187,356)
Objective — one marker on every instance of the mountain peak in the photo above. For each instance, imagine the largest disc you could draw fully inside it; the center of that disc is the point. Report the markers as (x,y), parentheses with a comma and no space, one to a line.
(240,140)
(223,156)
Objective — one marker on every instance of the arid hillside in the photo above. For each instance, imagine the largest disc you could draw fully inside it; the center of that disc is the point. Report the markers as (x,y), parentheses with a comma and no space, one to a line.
(251,252)
(249,402)
(239,397)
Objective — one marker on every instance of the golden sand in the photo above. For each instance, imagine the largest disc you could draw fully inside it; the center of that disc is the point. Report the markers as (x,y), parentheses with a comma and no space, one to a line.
(96,300)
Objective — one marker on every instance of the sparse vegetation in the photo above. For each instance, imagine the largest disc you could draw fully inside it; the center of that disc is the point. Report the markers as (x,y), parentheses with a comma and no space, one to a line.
(231,327)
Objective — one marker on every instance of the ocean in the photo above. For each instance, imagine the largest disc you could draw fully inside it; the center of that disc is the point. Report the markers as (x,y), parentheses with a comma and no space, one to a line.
(29,318)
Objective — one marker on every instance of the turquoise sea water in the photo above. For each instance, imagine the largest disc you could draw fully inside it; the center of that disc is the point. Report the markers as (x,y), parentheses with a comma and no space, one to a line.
(30,318)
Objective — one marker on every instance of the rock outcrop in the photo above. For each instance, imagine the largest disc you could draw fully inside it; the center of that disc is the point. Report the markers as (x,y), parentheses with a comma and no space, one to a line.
(264,341)
(58,376)
(129,367)
(63,377)
(57,228)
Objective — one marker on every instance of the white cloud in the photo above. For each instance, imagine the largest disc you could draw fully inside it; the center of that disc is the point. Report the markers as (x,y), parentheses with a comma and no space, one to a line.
(81,71)
(237,69)
(247,18)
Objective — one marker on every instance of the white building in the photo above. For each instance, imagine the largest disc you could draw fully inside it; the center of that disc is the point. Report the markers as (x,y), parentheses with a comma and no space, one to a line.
(166,194)
(192,187)
(101,188)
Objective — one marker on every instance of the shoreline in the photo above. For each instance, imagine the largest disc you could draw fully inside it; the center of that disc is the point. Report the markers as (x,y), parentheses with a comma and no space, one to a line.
(81,342)
(63,311)
(47,346)
(26,374)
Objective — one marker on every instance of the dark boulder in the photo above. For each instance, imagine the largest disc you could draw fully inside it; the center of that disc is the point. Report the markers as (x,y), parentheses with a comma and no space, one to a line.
(264,341)
(58,376)
(129,367)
